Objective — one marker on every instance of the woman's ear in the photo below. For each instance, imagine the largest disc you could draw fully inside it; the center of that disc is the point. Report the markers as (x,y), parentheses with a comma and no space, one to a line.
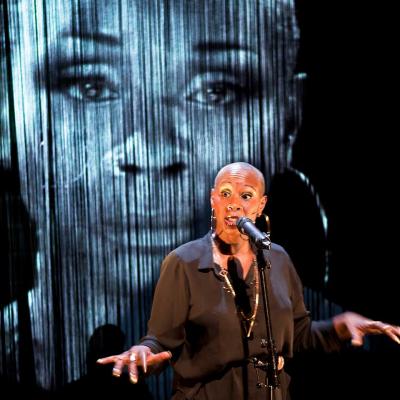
(212,197)
(263,202)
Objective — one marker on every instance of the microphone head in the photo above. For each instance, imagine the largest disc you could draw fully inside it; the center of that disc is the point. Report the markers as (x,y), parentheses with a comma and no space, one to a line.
(247,227)
(241,221)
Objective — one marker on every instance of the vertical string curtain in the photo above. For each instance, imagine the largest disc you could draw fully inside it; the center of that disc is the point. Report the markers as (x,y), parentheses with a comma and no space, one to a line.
(115,117)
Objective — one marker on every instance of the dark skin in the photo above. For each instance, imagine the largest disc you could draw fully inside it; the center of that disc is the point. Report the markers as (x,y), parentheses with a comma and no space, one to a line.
(239,191)
(136,356)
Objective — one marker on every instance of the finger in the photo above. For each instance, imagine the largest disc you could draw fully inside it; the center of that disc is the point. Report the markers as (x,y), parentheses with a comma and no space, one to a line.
(374,327)
(393,337)
(118,367)
(143,358)
(392,333)
(107,360)
(390,330)
(357,338)
(133,370)
(159,357)
(397,329)
(281,362)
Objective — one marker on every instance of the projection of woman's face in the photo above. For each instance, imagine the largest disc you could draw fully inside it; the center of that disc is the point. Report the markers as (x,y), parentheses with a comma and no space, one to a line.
(126,109)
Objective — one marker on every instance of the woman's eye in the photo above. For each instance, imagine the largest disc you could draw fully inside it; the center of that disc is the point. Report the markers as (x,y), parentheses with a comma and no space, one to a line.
(225,194)
(247,196)
(93,89)
(216,94)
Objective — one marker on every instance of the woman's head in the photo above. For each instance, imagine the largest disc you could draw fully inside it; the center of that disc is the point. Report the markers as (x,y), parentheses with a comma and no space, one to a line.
(238,192)
(126,103)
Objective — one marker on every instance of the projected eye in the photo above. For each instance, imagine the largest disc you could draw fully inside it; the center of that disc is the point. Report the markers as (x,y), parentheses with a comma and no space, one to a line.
(217,94)
(96,89)
(211,90)
(89,82)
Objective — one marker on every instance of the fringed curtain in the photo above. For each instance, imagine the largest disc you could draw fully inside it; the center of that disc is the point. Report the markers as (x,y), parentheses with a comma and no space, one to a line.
(115,117)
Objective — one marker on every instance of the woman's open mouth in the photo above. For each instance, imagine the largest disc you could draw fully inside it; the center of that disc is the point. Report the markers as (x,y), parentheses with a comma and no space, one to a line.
(231,220)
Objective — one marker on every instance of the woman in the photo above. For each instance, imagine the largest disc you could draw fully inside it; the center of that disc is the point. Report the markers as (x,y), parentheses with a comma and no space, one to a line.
(207,317)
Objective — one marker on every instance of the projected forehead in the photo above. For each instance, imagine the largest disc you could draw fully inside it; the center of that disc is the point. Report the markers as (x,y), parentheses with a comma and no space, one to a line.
(190,28)
(206,12)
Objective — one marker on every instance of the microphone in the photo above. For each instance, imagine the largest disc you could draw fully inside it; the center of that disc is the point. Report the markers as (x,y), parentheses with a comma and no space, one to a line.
(247,227)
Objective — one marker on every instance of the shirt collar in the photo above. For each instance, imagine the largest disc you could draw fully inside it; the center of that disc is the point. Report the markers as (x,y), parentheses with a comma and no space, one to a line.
(206,260)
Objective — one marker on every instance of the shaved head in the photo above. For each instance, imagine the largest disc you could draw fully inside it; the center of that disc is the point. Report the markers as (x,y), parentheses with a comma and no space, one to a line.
(241,169)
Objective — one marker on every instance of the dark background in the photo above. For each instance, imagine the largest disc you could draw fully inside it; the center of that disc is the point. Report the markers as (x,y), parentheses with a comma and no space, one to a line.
(347,148)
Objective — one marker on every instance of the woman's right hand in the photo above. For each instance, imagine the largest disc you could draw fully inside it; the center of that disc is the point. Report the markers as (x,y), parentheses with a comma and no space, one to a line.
(136,356)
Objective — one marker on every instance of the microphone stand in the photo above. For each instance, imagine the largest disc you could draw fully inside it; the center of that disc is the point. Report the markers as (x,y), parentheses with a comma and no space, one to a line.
(271,365)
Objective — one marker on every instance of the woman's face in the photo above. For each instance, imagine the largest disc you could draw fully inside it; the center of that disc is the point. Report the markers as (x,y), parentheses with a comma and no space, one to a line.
(238,192)
(126,109)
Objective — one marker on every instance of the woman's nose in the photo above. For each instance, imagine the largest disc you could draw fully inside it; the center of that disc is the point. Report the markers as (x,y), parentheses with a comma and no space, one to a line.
(233,207)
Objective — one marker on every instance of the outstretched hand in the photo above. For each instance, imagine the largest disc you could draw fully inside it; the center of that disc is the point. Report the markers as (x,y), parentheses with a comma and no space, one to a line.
(136,356)
(350,325)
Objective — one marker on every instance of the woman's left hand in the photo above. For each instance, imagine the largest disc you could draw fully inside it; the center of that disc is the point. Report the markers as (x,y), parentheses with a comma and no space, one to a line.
(350,325)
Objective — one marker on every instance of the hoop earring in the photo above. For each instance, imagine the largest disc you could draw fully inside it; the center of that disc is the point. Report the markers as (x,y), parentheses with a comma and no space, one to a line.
(263,223)
(213,222)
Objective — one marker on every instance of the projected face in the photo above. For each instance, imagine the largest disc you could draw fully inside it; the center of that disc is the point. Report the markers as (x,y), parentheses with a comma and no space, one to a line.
(125,110)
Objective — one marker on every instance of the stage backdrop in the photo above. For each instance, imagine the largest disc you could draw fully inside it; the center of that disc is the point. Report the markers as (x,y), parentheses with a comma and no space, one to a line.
(115,117)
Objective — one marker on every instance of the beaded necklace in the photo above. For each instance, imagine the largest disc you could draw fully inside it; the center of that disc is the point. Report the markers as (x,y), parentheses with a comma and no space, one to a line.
(248,321)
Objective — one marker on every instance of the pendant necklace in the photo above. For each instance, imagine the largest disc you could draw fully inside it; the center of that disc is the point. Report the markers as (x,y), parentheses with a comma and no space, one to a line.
(248,321)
